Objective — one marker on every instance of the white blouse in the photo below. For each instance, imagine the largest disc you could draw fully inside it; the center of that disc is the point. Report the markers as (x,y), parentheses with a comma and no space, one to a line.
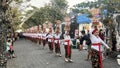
(49,36)
(57,36)
(67,37)
(95,39)
(44,36)
(39,35)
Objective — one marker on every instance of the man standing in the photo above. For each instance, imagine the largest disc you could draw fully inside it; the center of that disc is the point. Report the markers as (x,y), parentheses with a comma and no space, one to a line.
(88,43)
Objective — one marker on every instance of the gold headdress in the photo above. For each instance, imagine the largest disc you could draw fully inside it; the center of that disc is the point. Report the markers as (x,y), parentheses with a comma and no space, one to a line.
(67,23)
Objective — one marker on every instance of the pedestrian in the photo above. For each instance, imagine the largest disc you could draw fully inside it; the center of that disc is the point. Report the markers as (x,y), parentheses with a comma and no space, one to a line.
(114,41)
(37,37)
(77,38)
(9,48)
(50,40)
(88,43)
(96,56)
(40,37)
(44,37)
(81,46)
(67,46)
(102,36)
(32,37)
(57,36)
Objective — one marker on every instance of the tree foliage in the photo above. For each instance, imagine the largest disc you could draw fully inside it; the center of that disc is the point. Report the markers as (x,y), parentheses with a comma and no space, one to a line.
(15,12)
(110,5)
(50,12)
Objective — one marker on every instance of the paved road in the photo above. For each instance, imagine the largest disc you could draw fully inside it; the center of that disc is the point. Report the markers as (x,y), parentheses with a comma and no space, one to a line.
(30,55)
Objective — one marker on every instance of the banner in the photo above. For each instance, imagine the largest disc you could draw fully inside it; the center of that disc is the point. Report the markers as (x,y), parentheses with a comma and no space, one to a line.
(81,19)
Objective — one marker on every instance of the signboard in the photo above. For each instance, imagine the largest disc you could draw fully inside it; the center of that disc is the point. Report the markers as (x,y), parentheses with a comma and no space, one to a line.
(82,19)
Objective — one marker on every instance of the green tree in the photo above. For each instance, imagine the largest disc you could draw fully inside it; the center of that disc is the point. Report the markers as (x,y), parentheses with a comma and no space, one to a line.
(60,5)
(16,13)
(50,12)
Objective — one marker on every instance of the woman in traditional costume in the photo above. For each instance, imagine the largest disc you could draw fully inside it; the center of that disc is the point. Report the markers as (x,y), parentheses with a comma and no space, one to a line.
(67,46)
(57,42)
(96,55)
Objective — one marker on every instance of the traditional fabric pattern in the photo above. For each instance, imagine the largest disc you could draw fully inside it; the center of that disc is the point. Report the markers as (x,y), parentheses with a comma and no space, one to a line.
(95,59)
